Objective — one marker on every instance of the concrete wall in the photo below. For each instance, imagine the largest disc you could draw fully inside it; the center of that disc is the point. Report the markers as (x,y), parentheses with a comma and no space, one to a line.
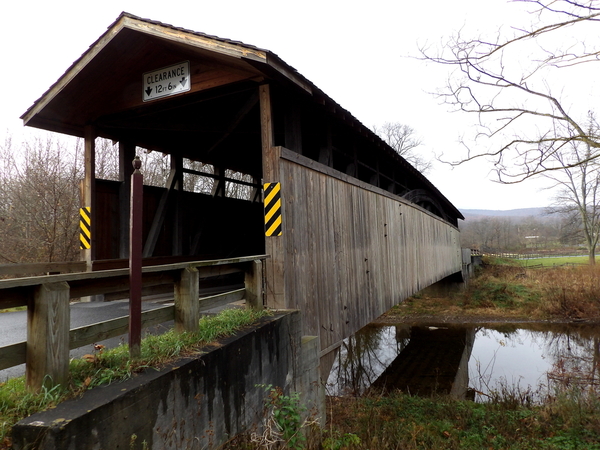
(194,403)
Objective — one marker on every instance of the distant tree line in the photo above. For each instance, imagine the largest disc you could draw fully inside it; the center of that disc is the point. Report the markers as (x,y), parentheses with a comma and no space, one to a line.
(549,233)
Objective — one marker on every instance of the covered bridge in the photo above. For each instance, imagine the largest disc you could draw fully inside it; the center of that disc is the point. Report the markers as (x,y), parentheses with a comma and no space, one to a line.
(358,228)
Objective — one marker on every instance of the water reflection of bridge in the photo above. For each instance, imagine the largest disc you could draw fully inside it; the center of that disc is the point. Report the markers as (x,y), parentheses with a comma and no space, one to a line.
(420,360)
(435,360)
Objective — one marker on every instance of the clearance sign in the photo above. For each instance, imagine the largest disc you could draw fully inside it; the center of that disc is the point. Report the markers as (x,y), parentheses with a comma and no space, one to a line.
(167,81)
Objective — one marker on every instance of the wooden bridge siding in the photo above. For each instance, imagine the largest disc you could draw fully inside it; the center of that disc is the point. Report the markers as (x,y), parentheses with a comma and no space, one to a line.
(352,250)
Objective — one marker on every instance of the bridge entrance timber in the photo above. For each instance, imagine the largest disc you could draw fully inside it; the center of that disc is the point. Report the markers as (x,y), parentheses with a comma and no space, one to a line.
(353,229)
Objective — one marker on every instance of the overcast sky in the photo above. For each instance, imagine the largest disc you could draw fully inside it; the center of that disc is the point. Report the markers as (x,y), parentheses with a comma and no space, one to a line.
(358,52)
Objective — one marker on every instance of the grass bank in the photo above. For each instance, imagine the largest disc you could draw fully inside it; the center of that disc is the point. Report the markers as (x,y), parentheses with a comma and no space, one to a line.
(566,420)
(108,366)
(507,290)
(400,421)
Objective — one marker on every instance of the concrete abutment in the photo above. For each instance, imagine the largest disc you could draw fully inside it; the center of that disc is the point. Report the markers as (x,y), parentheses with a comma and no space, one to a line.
(193,403)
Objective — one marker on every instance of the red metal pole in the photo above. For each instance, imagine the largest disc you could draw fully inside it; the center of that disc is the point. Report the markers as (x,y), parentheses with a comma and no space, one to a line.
(135,260)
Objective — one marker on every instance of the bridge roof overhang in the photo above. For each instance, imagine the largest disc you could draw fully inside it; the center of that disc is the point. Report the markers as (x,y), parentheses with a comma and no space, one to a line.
(107,79)
(104,88)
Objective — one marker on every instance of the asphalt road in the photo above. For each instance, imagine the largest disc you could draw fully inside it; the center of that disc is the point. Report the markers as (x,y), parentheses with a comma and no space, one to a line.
(13,326)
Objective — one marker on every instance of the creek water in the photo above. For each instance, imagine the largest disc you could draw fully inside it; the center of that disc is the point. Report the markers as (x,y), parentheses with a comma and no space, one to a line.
(476,362)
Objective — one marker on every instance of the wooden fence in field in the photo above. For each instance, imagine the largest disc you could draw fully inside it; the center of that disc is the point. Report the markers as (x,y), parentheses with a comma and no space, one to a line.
(49,337)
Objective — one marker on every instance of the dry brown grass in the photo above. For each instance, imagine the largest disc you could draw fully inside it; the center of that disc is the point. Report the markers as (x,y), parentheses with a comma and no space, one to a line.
(513,293)
(572,293)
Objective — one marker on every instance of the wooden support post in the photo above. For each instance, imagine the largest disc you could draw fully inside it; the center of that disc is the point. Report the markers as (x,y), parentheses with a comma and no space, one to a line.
(256,194)
(89,190)
(187,308)
(293,126)
(253,282)
(274,245)
(48,324)
(126,155)
(218,189)
(326,151)
(135,261)
(177,167)
(88,199)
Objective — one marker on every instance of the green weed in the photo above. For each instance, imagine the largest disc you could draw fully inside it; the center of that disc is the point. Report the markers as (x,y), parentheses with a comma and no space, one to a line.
(409,422)
(283,420)
(338,441)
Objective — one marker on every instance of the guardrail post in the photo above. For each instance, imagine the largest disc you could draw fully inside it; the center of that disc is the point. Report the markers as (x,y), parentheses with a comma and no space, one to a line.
(187,308)
(254,282)
(48,323)
(135,259)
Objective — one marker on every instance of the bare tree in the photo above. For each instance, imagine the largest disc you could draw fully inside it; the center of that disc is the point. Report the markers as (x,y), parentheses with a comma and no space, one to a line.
(509,81)
(402,138)
(579,185)
(107,160)
(40,200)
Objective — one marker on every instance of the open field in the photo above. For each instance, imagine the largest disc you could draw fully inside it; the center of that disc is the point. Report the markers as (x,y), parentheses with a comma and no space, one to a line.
(558,261)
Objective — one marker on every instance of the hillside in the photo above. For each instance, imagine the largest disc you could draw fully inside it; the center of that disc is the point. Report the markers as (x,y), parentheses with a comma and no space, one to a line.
(512,213)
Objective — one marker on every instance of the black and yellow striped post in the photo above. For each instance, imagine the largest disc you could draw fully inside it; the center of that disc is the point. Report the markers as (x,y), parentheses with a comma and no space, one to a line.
(272,204)
(85,228)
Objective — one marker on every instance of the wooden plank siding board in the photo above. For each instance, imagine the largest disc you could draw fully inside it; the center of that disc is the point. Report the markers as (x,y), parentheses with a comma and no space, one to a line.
(335,299)
(354,250)
(342,279)
(300,261)
(322,255)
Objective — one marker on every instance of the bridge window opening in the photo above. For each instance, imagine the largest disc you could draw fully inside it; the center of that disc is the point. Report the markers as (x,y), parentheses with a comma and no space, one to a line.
(107,159)
(326,137)
(365,173)
(198,177)
(341,160)
(387,169)
(239,185)
(202,178)
(156,167)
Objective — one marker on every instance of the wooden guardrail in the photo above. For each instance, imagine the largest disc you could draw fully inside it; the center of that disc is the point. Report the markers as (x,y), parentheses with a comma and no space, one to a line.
(47,267)
(20,270)
(49,337)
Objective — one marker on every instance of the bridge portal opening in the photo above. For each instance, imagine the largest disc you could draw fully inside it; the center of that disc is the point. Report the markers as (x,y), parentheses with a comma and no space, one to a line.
(193,98)
(209,205)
